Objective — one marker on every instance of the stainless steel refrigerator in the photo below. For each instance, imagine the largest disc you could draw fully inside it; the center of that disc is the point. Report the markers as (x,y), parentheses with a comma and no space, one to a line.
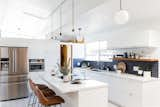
(13,73)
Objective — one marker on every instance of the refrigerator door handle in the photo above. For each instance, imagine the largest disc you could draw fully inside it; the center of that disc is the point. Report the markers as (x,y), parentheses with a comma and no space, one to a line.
(12,60)
(16,83)
(0,60)
(15,60)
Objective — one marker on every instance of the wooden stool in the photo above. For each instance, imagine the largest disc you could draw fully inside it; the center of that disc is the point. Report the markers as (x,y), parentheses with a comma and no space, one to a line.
(48,101)
(46,91)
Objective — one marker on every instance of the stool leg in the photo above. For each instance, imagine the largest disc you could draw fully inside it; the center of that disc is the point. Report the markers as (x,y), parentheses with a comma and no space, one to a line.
(39,105)
(34,101)
(34,97)
(30,97)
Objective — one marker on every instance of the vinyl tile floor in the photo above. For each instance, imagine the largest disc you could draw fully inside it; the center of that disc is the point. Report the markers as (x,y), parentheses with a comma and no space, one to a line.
(23,103)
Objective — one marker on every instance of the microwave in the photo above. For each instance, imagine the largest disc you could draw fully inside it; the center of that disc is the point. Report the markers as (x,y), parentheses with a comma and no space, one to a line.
(36,65)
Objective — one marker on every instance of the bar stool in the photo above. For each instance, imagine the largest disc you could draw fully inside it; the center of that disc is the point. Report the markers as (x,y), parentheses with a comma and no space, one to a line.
(48,101)
(46,91)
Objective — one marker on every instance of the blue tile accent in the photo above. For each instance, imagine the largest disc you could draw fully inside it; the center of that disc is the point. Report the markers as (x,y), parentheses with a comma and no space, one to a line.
(103,65)
(76,61)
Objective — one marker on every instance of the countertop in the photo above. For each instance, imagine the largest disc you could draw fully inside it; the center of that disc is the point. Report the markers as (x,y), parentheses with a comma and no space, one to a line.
(63,87)
(120,75)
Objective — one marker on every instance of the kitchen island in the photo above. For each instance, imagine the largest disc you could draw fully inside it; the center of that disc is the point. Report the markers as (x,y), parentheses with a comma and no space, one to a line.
(90,93)
(127,90)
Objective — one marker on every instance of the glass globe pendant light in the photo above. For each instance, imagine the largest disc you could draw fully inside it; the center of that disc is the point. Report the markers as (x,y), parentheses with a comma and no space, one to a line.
(59,36)
(80,38)
(73,19)
(77,37)
(60,21)
(122,16)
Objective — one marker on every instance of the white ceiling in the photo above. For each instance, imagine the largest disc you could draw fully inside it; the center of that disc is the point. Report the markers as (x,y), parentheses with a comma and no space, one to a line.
(95,16)
(143,13)
(15,21)
(30,18)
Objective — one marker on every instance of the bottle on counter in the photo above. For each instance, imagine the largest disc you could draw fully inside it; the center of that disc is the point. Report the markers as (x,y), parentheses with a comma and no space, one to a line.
(126,55)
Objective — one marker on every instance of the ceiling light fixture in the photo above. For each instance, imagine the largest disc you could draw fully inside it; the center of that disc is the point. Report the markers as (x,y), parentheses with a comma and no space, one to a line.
(59,37)
(122,16)
(60,21)
(80,38)
(73,17)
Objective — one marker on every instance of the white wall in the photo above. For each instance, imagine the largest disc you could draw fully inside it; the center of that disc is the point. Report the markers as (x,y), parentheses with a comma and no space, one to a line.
(47,49)
(154,37)
(121,38)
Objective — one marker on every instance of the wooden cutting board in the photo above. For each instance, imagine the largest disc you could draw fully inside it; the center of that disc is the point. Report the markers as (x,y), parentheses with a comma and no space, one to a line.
(121,66)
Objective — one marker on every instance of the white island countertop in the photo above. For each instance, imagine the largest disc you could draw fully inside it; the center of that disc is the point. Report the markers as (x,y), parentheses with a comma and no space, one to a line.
(90,93)
(63,87)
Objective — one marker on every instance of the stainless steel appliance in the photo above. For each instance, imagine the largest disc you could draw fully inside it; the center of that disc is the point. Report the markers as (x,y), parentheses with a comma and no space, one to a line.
(13,73)
(36,65)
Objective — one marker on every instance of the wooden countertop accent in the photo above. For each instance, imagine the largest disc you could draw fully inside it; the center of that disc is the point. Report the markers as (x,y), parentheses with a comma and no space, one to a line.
(131,59)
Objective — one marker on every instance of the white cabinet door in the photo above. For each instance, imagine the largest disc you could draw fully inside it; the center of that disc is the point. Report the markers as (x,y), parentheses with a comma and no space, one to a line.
(124,92)
(128,92)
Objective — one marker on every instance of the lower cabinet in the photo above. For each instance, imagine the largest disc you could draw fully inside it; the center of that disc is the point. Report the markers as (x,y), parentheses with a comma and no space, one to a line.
(122,92)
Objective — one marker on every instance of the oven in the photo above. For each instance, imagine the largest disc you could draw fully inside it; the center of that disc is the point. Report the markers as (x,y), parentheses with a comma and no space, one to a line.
(36,65)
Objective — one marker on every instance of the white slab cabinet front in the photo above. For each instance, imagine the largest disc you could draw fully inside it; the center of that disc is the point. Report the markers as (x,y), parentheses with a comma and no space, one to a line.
(129,93)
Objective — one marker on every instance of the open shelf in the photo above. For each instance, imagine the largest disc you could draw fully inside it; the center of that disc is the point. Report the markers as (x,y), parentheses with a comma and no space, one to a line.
(131,59)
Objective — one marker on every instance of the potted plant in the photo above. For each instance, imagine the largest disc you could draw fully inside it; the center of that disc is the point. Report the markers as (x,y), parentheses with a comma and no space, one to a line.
(65,70)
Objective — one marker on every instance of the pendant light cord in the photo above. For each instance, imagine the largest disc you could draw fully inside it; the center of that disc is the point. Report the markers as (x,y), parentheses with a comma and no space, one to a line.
(60,20)
(79,31)
(73,16)
(120,4)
